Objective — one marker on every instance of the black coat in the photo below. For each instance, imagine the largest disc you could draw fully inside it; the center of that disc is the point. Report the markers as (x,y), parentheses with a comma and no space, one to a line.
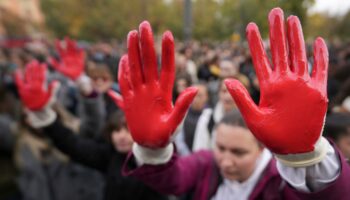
(103,157)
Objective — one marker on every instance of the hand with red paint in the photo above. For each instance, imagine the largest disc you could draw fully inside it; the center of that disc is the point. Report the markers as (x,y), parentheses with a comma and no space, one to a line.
(147,95)
(293,103)
(72,64)
(72,59)
(36,96)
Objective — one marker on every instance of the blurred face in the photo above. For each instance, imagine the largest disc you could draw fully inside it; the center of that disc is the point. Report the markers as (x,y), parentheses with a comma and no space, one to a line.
(181,85)
(181,62)
(226,99)
(122,140)
(201,98)
(228,69)
(101,80)
(236,152)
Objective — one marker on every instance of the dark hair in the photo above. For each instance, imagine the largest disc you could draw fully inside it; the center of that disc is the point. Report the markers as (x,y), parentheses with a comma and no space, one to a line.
(115,122)
(233,118)
(337,125)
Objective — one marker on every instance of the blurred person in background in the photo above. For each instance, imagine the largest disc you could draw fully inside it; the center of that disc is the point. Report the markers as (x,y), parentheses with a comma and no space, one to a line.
(337,127)
(44,170)
(106,157)
(182,81)
(196,130)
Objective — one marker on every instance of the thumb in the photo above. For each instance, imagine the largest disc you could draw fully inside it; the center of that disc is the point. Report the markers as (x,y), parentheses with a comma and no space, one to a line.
(117,98)
(181,105)
(242,99)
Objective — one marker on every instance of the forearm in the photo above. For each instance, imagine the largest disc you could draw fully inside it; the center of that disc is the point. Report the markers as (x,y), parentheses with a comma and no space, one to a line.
(84,151)
(92,115)
(170,175)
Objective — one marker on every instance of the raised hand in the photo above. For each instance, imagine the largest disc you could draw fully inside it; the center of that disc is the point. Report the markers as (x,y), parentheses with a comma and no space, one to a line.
(147,95)
(290,116)
(32,87)
(72,59)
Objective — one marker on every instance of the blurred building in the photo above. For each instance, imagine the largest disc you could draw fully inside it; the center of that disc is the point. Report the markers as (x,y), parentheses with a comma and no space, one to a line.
(20,18)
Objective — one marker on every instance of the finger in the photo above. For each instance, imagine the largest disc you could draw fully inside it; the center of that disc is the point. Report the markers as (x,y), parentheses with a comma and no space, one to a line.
(124,77)
(278,40)
(136,74)
(71,45)
(167,75)
(117,98)
(320,66)
(42,73)
(260,60)
(242,99)
(148,53)
(30,72)
(37,75)
(182,104)
(296,44)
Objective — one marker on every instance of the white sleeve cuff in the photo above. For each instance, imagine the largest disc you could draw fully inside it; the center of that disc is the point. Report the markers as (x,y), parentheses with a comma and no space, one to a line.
(144,155)
(41,118)
(306,159)
(315,177)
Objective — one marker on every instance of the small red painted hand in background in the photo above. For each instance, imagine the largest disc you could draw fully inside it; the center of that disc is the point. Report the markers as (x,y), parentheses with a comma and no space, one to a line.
(72,59)
(32,86)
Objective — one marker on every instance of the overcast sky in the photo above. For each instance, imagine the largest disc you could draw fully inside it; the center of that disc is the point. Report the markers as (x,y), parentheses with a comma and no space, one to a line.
(333,7)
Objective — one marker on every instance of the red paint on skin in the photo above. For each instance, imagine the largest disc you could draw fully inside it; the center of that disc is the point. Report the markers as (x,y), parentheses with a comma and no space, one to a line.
(146,95)
(31,88)
(72,59)
(293,104)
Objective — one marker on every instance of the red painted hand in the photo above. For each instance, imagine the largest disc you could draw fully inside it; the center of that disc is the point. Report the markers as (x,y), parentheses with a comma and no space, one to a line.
(72,59)
(290,115)
(146,96)
(32,88)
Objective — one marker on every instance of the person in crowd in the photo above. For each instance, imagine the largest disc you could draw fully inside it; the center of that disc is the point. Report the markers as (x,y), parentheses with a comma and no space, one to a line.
(337,127)
(8,187)
(182,81)
(106,157)
(197,124)
(287,124)
(43,168)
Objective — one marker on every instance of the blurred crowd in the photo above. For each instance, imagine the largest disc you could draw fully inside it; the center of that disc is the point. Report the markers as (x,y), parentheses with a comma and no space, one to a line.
(31,165)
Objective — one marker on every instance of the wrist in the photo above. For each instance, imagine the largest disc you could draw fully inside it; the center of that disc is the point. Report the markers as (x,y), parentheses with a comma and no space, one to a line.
(306,159)
(144,155)
(41,118)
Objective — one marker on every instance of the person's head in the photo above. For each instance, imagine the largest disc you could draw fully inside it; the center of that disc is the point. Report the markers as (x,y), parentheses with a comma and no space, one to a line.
(337,127)
(100,75)
(228,69)
(236,149)
(201,99)
(117,132)
(182,81)
(225,98)
(181,63)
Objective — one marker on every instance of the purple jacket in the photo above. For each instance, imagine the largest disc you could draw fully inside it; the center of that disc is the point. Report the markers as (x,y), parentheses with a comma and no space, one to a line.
(199,174)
